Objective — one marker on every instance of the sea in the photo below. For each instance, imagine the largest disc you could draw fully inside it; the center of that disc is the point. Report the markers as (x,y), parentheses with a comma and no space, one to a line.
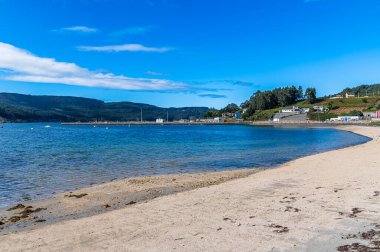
(38,160)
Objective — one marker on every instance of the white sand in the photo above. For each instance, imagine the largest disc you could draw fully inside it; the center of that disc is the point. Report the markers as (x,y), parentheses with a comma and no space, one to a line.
(312,197)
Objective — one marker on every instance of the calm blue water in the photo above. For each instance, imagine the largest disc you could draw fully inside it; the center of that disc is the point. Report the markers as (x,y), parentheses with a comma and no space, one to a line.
(38,162)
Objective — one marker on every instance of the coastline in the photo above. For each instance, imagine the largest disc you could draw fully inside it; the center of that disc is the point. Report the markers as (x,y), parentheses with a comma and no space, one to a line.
(105,197)
(272,198)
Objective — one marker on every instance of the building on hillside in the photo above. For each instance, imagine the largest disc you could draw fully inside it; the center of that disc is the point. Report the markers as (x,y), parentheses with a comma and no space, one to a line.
(231,115)
(349,118)
(334,119)
(350,95)
(228,115)
(336,97)
(369,115)
(319,108)
(287,110)
(218,120)
(291,110)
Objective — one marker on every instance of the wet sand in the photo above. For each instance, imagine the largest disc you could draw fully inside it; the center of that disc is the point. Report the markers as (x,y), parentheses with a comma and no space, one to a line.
(324,202)
(107,197)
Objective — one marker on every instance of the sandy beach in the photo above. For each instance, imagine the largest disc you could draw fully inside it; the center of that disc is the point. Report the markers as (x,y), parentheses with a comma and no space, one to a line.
(324,202)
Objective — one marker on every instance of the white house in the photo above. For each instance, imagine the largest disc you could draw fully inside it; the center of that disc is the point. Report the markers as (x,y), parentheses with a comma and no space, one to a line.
(349,118)
(334,119)
(336,97)
(319,108)
(369,115)
(287,110)
(159,120)
(218,119)
(291,110)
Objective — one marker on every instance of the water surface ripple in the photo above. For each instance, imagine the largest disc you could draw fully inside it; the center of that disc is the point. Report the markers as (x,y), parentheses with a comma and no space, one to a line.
(36,162)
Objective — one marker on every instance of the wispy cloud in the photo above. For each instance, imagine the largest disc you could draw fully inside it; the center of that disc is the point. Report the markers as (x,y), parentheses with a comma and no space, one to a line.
(21,65)
(77,29)
(155,73)
(214,96)
(134,30)
(227,83)
(242,83)
(125,48)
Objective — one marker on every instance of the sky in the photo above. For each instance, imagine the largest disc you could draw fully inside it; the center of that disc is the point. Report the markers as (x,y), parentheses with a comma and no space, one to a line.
(175,53)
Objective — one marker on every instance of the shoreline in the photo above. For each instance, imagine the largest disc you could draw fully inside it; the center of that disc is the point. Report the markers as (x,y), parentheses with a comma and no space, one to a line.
(108,196)
(102,197)
(243,170)
(194,194)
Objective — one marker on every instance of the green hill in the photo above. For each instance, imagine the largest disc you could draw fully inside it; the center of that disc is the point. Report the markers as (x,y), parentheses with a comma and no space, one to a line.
(363,90)
(367,98)
(29,108)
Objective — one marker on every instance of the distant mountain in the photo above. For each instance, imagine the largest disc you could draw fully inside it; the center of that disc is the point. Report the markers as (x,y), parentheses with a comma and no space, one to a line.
(30,108)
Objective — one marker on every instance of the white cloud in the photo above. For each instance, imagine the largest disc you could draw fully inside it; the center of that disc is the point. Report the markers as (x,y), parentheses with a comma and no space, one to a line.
(125,47)
(20,65)
(82,29)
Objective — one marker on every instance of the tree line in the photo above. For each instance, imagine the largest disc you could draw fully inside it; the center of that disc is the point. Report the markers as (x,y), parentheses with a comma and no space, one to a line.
(263,100)
(278,97)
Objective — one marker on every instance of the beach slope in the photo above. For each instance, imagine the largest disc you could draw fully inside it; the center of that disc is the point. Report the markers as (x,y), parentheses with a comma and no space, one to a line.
(316,203)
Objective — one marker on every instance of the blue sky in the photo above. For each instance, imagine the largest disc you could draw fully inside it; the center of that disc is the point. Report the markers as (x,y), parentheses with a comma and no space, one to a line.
(186,53)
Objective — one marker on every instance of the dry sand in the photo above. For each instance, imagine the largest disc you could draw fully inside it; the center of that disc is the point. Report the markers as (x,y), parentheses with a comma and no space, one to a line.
(315,203)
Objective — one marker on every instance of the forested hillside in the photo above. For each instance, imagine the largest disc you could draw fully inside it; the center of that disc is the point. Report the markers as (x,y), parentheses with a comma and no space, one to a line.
(28,108)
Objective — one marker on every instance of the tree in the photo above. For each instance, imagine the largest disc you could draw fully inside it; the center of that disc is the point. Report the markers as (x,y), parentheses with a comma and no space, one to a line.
(230,108)
(355,113)
(300,93)
(311,94)
(212,113)
(278,97)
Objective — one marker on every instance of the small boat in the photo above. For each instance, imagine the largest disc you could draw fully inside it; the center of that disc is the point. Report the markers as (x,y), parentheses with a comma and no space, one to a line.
(47,126)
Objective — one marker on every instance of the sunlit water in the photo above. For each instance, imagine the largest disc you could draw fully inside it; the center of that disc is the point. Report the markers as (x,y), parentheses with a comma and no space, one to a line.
(36,161)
